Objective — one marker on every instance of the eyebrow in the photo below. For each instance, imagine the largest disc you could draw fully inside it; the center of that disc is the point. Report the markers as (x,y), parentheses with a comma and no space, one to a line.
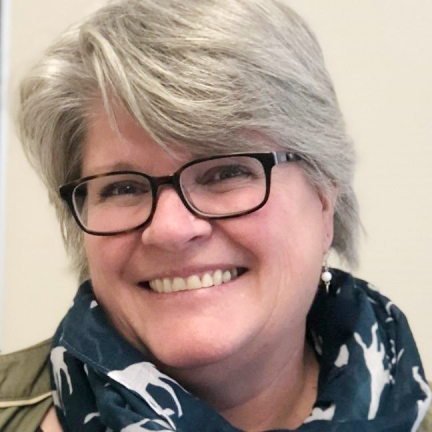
(118,166)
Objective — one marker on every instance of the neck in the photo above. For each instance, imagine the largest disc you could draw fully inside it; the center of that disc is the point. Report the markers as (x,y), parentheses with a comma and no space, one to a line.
(284,400)
(272,389)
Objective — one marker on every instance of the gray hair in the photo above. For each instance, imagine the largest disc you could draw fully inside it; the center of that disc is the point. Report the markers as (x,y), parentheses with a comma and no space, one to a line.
(198,75)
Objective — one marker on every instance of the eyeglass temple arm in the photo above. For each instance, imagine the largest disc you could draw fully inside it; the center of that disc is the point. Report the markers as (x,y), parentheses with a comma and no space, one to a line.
(283,156)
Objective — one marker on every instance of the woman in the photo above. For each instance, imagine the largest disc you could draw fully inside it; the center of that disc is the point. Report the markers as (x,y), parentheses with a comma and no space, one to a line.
(204,175)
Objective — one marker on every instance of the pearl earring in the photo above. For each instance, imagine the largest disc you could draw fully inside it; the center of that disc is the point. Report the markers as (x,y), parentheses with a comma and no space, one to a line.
(326,276)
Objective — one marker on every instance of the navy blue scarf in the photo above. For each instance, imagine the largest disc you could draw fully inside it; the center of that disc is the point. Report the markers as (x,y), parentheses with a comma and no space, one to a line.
(371,377)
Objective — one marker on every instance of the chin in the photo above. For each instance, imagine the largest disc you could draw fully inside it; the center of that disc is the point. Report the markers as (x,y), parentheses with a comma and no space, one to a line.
(189,359)
(192,351)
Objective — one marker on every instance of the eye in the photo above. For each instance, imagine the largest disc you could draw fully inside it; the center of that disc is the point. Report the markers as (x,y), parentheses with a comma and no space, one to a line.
(224,173)
(124,188)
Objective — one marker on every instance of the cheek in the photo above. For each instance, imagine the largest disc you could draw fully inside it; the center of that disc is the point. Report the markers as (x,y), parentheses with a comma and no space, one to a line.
(285,238)
(107,256)
(285,250)
(284,229)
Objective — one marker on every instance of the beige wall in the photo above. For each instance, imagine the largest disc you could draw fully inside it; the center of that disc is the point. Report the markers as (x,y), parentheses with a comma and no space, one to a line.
(380,56)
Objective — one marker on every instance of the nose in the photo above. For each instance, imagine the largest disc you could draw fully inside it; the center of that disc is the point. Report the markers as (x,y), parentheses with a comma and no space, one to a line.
(173,227)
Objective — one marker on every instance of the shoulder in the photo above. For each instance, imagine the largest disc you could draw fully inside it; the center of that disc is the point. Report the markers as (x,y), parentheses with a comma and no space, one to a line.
(25,392)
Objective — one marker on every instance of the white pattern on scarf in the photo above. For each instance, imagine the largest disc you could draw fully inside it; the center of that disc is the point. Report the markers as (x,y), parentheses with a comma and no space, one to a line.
(138,376)
(59,366)
(374,356)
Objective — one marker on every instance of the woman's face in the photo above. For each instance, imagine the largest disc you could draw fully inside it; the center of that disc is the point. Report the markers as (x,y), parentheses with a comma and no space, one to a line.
(281,246)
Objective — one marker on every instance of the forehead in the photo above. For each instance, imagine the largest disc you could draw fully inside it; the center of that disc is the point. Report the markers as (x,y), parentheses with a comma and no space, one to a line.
(120,141)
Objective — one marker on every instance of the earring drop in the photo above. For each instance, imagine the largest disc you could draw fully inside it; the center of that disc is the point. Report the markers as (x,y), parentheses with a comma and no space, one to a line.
(326,276)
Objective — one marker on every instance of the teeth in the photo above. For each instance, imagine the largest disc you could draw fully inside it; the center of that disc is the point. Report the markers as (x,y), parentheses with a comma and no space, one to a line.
(217,277)
(159,285)
(166,286)
(226,276)
(193,282)
(179,284)
(207,281)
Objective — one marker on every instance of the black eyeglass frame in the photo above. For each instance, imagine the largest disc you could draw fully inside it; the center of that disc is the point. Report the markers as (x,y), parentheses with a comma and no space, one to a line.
(268,160)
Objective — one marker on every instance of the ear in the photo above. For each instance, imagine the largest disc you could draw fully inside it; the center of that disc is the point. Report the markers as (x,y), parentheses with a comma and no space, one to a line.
(328,202)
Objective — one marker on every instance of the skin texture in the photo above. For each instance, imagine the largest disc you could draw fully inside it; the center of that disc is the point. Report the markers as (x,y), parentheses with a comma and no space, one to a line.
(237,345)
(50,422)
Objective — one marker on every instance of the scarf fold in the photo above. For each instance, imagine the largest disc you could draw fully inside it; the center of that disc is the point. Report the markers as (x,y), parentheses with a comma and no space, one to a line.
(371,377)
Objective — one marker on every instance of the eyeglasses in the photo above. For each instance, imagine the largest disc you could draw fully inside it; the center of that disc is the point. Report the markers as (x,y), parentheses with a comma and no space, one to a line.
(217,187)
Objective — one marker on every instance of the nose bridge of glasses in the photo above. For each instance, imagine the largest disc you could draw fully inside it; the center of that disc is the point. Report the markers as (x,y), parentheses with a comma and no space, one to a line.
(172,181)
(169,180)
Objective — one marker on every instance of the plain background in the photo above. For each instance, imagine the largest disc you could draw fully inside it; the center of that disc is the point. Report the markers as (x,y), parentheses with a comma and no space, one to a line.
(379,53)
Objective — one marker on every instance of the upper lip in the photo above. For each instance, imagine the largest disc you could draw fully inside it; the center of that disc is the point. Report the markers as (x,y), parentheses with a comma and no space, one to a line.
(185,272)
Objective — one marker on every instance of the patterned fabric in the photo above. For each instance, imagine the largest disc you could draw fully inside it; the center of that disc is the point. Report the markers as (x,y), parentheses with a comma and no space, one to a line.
(371,377)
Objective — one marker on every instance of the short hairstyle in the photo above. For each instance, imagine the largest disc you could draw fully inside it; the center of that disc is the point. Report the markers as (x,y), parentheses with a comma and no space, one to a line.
(203,75)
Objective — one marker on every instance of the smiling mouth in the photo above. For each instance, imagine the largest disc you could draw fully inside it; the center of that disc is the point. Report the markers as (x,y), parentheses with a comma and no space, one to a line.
(193,282)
